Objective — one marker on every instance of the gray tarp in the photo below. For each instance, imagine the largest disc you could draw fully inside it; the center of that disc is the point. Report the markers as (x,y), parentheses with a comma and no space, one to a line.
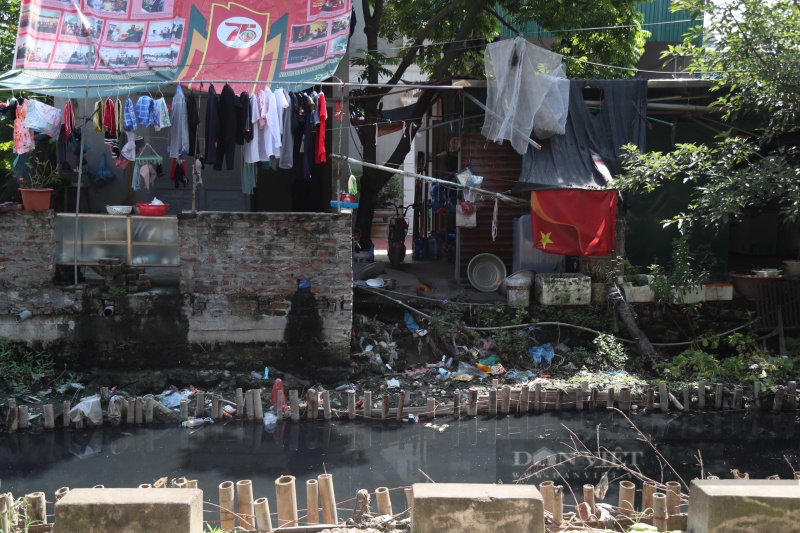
(565,161)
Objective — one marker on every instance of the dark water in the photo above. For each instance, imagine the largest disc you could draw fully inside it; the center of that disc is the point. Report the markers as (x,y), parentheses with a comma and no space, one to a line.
(389,454)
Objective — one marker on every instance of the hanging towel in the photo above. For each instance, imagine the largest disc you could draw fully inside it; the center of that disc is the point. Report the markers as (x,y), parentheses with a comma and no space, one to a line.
(129,116)
(97,118)
(179,133)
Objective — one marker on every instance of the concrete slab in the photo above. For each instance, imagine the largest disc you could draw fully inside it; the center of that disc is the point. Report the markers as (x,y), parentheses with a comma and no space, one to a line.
(130,511)
(746,506)
(477,508)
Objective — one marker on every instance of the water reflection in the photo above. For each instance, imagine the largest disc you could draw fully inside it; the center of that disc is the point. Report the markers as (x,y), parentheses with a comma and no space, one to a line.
(391,454)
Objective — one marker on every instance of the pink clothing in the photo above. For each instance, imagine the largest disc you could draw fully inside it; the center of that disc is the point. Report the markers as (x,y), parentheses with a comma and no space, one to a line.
(23,137)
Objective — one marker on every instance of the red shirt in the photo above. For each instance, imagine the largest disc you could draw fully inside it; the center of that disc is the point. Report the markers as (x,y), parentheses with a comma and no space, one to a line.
(323,115)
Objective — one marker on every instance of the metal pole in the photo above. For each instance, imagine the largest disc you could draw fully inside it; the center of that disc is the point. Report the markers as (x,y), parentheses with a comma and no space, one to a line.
(89,56)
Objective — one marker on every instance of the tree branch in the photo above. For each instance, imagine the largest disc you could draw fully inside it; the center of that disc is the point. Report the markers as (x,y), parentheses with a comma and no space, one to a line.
(503,21)
(408,58)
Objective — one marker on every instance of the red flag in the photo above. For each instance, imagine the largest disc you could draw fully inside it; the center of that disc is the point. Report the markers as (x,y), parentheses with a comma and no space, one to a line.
(574,221)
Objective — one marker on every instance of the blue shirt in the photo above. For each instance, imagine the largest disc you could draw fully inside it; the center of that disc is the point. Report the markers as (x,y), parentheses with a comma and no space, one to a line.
(145,111)
(129,117)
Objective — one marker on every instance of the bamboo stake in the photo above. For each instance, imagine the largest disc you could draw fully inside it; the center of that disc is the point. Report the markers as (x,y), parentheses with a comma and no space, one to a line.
(547,488)
(226,518)
(430,410)
(757,393)
(660,511)
(60,493)
(239,403)
(191,483)
(701,394)
(287,501)
(409,492)
(523,399)
(383,500)
(328,499)
(492,402)
(248,405)
(79,421)
(263,518)
(472,410)
(663,397)
(22,417)
(244,495)
(777,403)
(400,406)
(673,498)
(738,392)
(148,410)
(537,398)
(351,404)
(406,398)
(457,405)
(791,395)
(49,419)
(675,402)
(130,412)
(311,410)
(558,505)
(579,398)
(12,418)
(718,396)
(326,403)
(36,508)
(5,511)
(648,489)
(686,398)
(184,410)
(588,497)
(312,501)
(367,404)
(138,411)
(558,400)
(627,495)
(385,407)
(610,398)
(625,399)
(258,406)
(200,404)
(146,486)
(294,405)
(495,383)
(593,399)
(215,407)
(650,399)
(505,399)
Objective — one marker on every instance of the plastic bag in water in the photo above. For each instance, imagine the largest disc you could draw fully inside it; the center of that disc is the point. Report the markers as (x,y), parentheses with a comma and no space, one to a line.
(544,351)
(90,407)
(270,421)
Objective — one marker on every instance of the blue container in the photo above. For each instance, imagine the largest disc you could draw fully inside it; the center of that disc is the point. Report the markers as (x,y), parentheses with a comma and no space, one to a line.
(304,285)
(434,248)
(420,249)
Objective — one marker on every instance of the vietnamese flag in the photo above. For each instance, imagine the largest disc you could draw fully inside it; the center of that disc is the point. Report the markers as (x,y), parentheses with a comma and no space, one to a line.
(574,221)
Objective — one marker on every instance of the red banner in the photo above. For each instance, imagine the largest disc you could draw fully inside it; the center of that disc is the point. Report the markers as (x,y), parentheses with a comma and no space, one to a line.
(574,221)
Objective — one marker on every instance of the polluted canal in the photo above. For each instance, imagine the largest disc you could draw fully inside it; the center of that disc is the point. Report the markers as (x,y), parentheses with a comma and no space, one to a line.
(394,454)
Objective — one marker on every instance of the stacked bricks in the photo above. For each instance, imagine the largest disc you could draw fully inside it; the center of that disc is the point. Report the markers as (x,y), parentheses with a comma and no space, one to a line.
(117,274)
(27,249)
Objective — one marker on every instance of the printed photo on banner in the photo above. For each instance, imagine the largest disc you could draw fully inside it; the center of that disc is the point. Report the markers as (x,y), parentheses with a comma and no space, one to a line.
(159,55)
(324,7)
(309,55)
(72,55)
(45,21)
(340,25)
(108,8)
(73,27)
(309,32)
(160,31)
(119,57)
(152,8)
(34,52)
(124,32)
(69,5)
(338,46)
(177,29)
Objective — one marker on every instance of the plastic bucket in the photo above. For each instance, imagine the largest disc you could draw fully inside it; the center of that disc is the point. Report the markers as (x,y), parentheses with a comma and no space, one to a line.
(518,291)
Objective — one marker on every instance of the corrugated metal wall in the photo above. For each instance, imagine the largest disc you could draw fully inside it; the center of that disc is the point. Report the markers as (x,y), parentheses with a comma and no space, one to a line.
(500,166)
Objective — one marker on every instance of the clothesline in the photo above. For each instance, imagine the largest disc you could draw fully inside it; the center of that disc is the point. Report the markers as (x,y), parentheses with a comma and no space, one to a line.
(501,196)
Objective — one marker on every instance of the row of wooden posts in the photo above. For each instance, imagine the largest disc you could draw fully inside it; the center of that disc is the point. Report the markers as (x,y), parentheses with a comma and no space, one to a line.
(660,509)
(498,400)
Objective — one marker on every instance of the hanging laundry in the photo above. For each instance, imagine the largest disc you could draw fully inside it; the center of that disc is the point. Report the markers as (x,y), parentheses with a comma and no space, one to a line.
(69,117)
(323,115)
(118,114)
(43,118)
(251,149)
(193,118)
(147,175)
(229,105)
(273,127)
(178,173)
(129,149)
(97,118)
(23,137)
(244,127)
(145,112)
(161,114)
(129,117)
(179,134)
(282,104)
(109,116)
(288,126)
(197,170)
(212,126)
(249,174)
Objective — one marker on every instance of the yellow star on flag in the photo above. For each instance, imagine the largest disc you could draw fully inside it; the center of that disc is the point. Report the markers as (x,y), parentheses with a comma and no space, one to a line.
(545,240)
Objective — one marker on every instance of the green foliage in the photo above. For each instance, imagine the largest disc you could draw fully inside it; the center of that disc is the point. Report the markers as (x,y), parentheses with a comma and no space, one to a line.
(21,368)
(750,51)
(611,350)
(41,174)
(599,272)
(660,284)
(688,269)
(392,191)
(513,344)
(9,19)
(115,293)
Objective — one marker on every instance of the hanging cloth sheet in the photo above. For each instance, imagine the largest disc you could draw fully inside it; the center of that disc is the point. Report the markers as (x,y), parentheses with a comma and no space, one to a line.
(43,118)
(527,89)
(23,137)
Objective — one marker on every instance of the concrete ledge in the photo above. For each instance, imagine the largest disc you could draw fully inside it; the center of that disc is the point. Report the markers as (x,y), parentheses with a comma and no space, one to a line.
(477,508)
(130,511)
(746,506)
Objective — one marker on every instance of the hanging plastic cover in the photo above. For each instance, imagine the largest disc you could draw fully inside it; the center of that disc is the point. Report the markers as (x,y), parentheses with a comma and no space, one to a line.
(527,90)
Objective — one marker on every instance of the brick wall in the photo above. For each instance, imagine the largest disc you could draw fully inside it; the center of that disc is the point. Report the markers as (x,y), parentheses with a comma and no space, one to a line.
(240,272)
(27,248)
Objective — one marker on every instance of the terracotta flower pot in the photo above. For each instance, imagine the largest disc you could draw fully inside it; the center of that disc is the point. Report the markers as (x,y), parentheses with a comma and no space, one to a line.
(36,199)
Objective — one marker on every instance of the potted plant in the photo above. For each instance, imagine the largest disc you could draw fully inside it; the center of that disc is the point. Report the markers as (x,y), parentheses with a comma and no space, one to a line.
(635,284)
(35,184)
(600,275)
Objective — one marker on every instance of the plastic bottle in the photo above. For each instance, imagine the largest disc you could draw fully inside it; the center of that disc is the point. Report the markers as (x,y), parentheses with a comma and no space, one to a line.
(194,422)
